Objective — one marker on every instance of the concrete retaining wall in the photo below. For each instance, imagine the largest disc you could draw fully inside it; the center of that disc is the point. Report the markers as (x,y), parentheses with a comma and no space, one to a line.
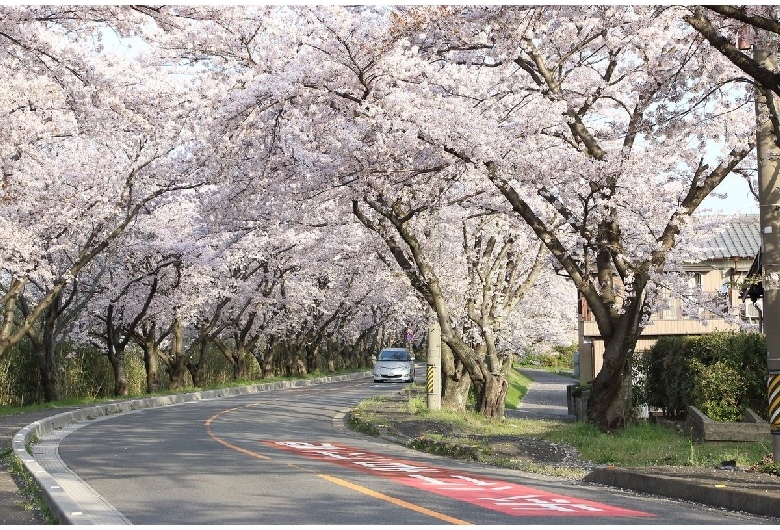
(701,428)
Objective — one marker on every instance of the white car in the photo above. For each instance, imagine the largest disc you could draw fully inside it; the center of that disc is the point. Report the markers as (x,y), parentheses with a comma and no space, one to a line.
(394,364)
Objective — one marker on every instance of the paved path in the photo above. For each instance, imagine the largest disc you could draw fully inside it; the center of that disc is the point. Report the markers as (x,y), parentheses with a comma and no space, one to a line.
(546,398)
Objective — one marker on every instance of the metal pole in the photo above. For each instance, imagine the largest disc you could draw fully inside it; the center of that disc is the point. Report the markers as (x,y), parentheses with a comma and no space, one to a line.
(768,155)
(434,366)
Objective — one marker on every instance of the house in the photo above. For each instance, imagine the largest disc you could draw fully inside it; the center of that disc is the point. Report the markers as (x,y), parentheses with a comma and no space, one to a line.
(729,256)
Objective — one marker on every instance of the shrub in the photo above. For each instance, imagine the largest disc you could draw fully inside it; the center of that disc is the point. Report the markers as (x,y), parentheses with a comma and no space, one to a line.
(562,357)
(721,374)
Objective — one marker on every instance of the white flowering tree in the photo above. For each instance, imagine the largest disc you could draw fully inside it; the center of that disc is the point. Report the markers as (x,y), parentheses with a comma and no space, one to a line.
(595,124)
(361,147)
(86,147)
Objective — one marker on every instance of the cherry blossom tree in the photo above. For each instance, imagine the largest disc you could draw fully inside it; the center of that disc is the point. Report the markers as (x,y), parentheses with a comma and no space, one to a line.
(130,285)
(732,30)
(360,153)
(336,134)
(597,129)
(81,158)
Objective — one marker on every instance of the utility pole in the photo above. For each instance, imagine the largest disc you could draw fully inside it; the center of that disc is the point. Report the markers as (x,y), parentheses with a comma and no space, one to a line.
(433,371)
(768,154)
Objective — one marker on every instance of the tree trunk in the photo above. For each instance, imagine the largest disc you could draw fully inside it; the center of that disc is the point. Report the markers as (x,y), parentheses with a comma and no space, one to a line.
(266,360)
(332,352)
(149,347)
(311,357)
(115,351)
(480,371)
(455,381)
(610,403)
(117,360)
(494,396)
(47,368)
(43,346)
(240,364)
(197,369)
(175,366)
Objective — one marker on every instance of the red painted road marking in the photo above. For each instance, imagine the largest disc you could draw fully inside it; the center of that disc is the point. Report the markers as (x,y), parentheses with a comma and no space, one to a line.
(496,495)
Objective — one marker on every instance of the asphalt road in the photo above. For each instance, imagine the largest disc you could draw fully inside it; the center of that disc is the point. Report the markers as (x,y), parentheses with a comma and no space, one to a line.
(285,457)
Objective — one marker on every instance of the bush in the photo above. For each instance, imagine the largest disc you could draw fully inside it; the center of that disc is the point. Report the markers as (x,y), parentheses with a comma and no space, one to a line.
(84,372)
(562,357)
(721,374)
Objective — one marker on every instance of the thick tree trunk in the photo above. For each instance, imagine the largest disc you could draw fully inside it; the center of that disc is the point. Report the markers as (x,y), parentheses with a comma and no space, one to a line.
(610,403)
(149,347)
(240,364)
(332,353)
(494,400)
(311,357)
(488,382)
(47,369)
(197,369)
(266,360)
(117,360)
(115,351)
(494,396)
(175,367)
(43,346)
(455,381)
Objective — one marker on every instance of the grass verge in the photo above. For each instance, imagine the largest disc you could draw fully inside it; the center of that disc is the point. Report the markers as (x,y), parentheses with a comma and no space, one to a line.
(29,489)
(642,445)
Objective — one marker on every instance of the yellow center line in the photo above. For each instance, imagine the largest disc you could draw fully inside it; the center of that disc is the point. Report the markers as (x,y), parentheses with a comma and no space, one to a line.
(393,500)
(228,444)
(355,487)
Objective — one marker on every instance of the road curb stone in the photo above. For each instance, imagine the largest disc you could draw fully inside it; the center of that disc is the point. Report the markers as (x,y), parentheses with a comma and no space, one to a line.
(711,493)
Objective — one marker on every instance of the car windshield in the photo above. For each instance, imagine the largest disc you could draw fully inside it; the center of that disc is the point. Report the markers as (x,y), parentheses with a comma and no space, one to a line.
(393,355)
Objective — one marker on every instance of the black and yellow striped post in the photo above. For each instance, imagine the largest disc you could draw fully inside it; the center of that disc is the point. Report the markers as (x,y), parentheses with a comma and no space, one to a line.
(773,395)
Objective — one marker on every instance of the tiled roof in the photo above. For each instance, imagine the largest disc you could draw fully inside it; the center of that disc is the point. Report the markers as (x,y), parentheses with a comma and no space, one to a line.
(741,238)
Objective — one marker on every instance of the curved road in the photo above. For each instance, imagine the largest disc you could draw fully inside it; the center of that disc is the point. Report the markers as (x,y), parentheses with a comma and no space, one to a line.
(285,457)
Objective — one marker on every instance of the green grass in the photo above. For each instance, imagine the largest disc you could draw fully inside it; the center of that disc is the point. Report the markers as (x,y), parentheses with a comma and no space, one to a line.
(646,445)
(643,445)
(518,385)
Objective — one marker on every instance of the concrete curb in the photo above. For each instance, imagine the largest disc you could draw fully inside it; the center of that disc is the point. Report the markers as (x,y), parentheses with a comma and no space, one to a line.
(61,503)
(711,494)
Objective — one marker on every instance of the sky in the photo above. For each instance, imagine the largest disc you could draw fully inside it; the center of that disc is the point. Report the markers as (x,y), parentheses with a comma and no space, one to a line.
(739,200)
